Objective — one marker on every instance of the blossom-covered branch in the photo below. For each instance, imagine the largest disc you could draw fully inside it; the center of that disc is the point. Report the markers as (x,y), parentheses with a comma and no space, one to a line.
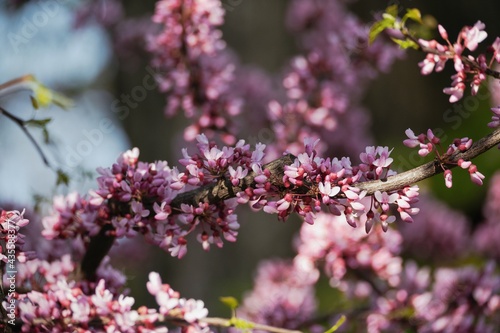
(434,167)
(224,178)
(438,54)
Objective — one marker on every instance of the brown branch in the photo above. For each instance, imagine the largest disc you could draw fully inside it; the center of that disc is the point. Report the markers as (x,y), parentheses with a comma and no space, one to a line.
(431,168)
(223,190)
(98,248)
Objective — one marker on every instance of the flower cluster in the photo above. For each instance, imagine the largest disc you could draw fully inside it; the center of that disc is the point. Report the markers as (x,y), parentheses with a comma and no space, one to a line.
(438,234)
(428,143)
(197,72)
(342,250)
(459,300)
(324,86)
(332,182)
(283,295)
(11,240)
(134,197)
(172,306)
(64,305)
(486,235)
(465,66)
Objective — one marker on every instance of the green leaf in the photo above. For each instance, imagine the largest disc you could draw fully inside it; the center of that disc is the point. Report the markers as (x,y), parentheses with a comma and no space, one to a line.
(229,301)
(405,44)
(241,324)
(34,102)
(337,324)
(380,26)
(62,177)
(413,14)
(41,123)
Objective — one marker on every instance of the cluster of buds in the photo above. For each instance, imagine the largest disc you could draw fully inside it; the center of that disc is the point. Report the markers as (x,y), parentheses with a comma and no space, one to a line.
(428,143)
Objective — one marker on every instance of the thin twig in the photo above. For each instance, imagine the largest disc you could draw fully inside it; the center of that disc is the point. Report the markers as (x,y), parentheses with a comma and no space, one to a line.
(22,124)
(431,168)
(450,55)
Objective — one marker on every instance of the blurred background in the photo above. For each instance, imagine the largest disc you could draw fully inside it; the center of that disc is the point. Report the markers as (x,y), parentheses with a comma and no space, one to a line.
(99,59)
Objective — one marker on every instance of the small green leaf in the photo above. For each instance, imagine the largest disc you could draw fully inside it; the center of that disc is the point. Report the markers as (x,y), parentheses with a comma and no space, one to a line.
(337,324)
(41,123)
(380,26)
(34,102)
(62,177)
(229,301)
(241,324)
(412,14)
(405,44)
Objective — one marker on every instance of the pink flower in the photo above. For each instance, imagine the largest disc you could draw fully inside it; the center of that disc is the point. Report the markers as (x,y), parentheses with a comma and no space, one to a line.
(474,35)
(475,176)
(412,140)
(456,92)
(448,178)
(385,199)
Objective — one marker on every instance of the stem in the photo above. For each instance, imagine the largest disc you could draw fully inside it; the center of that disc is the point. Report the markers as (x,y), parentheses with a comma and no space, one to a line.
(99,247)
(22,124)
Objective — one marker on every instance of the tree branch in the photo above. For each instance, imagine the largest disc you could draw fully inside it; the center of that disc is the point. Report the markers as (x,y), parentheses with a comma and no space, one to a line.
(223,190)
(431,168)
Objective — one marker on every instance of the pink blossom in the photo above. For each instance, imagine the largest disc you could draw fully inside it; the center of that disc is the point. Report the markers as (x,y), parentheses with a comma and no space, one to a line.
(283,294)
(456,92)
(474,35)
(385,199)
(412,140)
(475,176)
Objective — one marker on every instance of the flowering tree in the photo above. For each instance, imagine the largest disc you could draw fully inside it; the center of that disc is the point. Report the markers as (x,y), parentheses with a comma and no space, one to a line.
(365,223)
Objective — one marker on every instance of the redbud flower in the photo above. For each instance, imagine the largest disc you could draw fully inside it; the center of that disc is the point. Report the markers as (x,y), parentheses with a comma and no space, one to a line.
(448,178)
(442,32)
(412,140)
(474,35)
(476,176)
